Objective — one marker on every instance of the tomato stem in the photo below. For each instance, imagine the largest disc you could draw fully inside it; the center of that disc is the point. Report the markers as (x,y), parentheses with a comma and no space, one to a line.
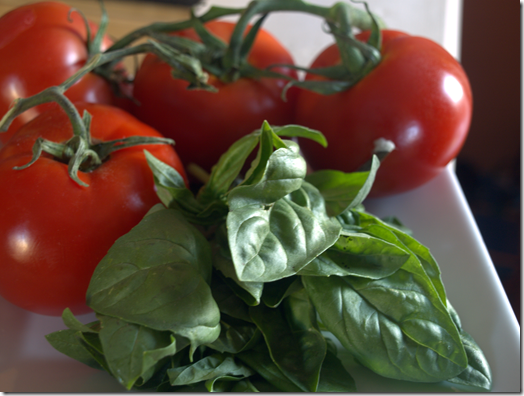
(79,152)
(198,172)
(167,27)
(341,17)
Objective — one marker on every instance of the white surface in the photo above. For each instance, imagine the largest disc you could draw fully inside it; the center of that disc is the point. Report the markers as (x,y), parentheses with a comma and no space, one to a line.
(439,217)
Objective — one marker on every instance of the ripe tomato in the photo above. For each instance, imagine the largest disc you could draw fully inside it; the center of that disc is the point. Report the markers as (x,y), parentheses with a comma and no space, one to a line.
(53,232)
(204,124)
(41,45)
(418,96)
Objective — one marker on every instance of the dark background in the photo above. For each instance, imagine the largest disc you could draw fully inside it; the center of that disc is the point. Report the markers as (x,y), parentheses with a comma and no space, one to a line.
(488,167)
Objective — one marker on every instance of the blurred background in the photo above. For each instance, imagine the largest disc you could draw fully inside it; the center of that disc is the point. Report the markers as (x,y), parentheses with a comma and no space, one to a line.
(489,164)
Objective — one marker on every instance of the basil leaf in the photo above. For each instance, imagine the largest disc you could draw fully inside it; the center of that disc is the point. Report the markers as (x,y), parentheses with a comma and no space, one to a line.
(334,377)
(228,302)
(157,276)
(235,336)
(301,131)
(360,255)
(377,227)
(260,361)
(283,173)
(275,292)
(132,351)
(341,190)
(173,193)
(228,167)
(395,326)
(70,344)
(478,372)
(295,343)
(232,385)
(249,292)
(74,324)
(266,144)
(210,367)
(268,243)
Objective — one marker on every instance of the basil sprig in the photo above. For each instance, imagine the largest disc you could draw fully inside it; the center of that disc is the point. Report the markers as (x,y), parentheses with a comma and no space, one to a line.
(240,286)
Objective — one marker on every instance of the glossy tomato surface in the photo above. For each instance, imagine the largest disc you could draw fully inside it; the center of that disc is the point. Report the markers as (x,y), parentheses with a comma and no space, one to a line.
(204,124)
(418,96)
(53,232)
(41,45)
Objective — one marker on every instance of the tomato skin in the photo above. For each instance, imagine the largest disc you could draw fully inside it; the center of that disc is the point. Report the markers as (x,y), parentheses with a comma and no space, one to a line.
(41,46)
(53,232)
(419,97)
(204,124)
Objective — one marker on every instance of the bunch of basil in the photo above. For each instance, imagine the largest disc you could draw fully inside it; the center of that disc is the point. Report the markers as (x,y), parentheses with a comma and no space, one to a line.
(239,287)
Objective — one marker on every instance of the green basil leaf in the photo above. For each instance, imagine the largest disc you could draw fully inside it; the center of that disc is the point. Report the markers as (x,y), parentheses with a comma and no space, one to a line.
(282,173)
(302,132)
(377,227)
(249,292)
(272,242)
(295,343)
(74,324)
(132,351)
(70,344)
(395,222)
(243,385)
(275,292)
(207,368)
(173,193)
(171,187)
(342,190)
(230,384)
(396,326)
(158,276)
(227,300)
(334,377)
(478,372)
(259,360)
(235,336)
(265,149)
(228,167)
(360,255)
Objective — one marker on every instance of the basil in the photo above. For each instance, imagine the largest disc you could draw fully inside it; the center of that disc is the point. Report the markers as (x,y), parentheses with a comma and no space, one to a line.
(236,287)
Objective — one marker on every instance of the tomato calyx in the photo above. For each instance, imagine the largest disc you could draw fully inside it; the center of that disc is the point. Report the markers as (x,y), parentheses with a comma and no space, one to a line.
(80,152)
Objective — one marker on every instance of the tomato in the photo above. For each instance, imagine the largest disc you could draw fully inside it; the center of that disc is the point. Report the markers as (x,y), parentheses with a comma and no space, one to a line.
(41,45)
(53,232)
(204,124)
(418,96)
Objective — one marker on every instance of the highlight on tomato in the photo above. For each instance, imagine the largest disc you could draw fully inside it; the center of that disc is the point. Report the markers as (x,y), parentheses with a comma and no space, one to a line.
(41,45)
(55,227)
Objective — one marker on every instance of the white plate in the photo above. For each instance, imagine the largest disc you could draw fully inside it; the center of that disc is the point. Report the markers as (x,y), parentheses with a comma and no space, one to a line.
(440,218)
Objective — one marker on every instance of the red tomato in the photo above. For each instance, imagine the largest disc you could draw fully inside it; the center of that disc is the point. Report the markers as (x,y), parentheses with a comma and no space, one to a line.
(41,45)
(418,96)
(53,232)
(204,124)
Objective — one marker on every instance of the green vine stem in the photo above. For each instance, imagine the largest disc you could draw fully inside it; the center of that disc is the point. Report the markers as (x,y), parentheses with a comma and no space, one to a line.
(169,27)
(341,15)
(79,152)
